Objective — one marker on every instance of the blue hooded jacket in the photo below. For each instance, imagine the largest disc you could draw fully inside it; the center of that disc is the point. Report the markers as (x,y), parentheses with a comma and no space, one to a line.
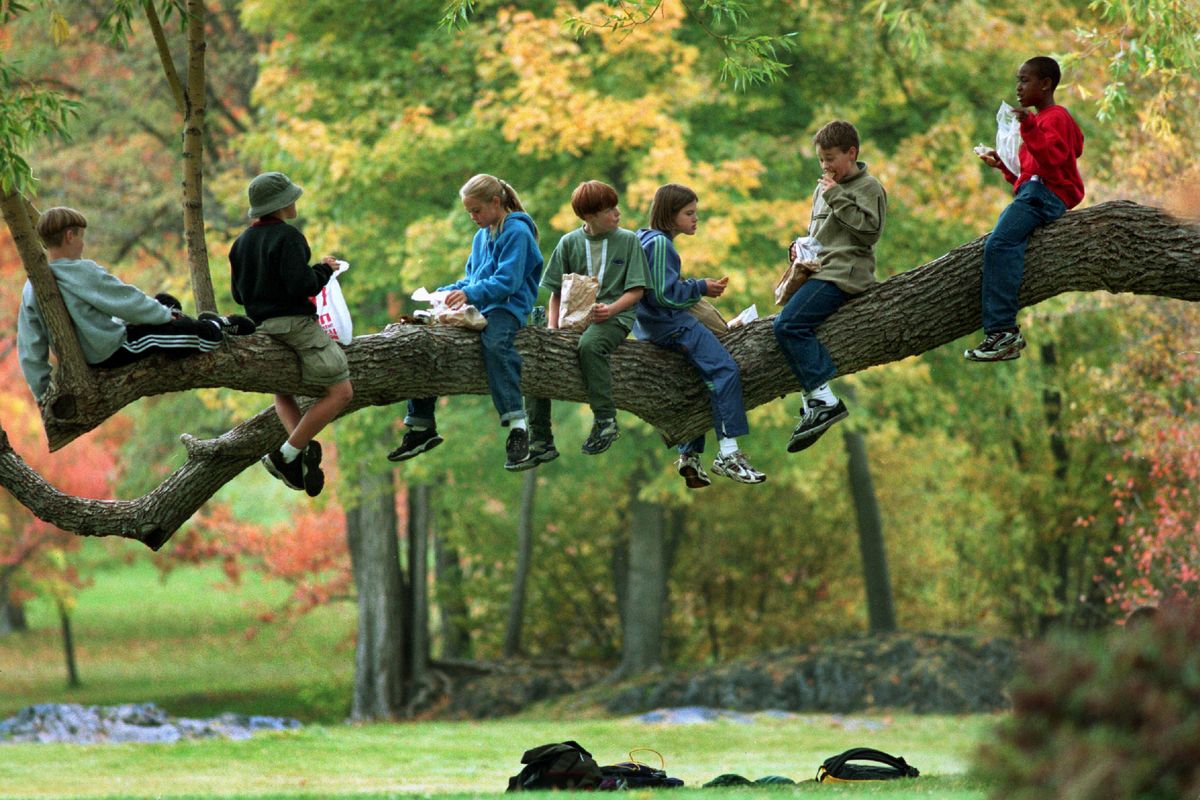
(664,306)
(503,272)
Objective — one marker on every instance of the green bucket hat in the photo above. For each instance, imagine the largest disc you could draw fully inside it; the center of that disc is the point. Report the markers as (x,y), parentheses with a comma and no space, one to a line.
(271,191)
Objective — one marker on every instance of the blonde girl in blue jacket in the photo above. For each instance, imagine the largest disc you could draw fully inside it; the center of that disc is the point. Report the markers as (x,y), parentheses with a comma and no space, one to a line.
(502,276)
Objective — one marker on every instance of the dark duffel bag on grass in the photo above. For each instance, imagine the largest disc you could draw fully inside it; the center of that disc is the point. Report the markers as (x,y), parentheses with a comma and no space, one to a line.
(565,765)
(839,769)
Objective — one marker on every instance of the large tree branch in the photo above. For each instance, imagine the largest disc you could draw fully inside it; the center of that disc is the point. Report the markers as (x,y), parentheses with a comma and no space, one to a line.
(1115,247)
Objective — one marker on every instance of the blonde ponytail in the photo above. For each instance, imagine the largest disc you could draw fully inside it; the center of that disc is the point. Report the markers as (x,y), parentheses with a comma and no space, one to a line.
(484,187)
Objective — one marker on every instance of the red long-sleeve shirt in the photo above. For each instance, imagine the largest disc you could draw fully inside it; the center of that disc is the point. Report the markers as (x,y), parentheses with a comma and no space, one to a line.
(1051,143)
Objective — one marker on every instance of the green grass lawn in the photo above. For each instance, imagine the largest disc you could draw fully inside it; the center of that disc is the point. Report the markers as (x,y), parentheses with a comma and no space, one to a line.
(465,758)
(183,644)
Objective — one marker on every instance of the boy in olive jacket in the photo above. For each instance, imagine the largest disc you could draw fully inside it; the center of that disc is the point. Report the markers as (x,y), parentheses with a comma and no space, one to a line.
(848,211)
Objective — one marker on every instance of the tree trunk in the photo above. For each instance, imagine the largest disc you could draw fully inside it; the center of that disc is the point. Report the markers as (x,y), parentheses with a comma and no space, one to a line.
(195,108)
(646,584)
(516,603)
(375,560)
(12,613)
(880,609)
(1116,246)
(420,521)
(452,601)
(68,647)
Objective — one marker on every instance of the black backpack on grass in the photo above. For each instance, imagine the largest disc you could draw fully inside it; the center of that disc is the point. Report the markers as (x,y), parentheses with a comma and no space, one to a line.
(635,775)
(565,765)
(838,769)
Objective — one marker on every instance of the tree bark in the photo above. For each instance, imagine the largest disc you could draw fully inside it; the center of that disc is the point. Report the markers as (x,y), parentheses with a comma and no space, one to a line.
(68,647)
(420,521)
(516,603)
(881,612)
(452,604)
(1116,247)
(375,560)
(645,593)
(195,109)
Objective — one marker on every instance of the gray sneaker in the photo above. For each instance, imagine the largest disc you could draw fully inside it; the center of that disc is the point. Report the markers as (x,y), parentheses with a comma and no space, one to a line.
(999,346)
(542,451)
(693,473)
(604,433)
(736,467)
(818,417)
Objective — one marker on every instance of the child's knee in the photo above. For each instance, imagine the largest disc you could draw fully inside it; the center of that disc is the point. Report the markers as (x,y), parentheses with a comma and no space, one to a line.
(341,393)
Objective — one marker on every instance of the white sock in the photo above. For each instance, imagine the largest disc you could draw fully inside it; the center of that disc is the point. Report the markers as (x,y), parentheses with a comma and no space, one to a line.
(822,394)
(519,424)
(728,446)
(415,427)
(289,452)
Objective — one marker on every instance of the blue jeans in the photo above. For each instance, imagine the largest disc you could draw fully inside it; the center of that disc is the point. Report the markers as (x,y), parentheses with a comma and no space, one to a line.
(502,363)
(1004,254)
(796,331)
(720,374)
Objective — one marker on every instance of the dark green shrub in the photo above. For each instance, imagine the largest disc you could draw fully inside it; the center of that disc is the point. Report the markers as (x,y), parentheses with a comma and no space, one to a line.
(1105,716)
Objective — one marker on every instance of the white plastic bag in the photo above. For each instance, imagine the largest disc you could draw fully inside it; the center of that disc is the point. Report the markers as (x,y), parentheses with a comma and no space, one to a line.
(465,316)
(747,316)
(332,313)
(1008,138)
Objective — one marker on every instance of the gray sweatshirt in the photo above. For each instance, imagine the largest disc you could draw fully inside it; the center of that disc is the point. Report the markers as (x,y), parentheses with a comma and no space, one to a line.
(99,304)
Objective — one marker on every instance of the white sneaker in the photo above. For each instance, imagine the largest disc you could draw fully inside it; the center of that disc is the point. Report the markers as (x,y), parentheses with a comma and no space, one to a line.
(736,467)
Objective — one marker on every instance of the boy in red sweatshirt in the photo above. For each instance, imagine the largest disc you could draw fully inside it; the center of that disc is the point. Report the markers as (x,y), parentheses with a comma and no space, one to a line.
(1048,185)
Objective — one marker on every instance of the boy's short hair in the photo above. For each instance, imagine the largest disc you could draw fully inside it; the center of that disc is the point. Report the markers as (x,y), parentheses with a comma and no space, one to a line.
(55,222)
(838,133)
(592,197)
(1046,67)
(668,201)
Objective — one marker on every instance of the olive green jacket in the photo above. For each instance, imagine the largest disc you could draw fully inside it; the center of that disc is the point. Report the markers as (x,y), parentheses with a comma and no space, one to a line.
(847,220)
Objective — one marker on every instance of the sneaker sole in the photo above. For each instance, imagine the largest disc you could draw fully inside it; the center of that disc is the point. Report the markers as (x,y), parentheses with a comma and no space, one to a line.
(733,476)
(598,450)
(521,466)
(693,479)
(545,458)
(396,455)
(314,476)
(1012,354)
(277,475)
(810,437)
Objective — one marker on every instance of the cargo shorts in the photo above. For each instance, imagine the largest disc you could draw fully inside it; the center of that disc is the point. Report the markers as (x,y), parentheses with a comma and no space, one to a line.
(322,361)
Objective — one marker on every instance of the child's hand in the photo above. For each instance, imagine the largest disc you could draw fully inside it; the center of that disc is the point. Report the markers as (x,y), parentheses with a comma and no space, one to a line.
(456,299)
(330,261)
(826,182)
(714,288)
(1021,113)
(989,157)
(601,312)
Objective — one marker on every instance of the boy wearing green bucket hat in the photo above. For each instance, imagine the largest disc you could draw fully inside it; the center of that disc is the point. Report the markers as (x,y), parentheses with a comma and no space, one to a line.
(272,278)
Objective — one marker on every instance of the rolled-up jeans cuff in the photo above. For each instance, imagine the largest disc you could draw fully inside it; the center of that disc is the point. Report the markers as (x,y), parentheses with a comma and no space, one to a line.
(511,416)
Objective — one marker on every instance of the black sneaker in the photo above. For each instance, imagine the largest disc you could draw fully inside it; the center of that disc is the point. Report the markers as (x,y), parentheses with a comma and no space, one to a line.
(604,433)
(234,324)
(517,451)
(542,451)
(290,472)
(999,346)
(693,473)
(314,476)
(818,417)
(414,443)
(170,301)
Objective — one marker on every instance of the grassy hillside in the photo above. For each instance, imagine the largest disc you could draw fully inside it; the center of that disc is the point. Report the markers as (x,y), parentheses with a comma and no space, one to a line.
(183,643)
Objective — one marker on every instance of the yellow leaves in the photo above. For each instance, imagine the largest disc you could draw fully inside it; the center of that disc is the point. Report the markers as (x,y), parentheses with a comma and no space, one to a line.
(60,29)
